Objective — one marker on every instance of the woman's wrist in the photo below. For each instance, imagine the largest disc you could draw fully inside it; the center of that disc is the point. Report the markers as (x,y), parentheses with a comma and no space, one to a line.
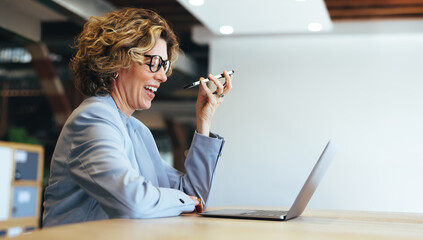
(203,128)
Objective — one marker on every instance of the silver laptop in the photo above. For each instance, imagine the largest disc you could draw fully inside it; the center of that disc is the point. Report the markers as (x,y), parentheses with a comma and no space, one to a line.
(300,202)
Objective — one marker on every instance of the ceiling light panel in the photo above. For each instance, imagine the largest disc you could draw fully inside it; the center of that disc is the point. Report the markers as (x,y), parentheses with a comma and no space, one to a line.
(261,17)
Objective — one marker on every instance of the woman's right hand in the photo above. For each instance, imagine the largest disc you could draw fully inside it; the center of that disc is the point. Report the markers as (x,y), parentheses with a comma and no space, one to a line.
(208,102)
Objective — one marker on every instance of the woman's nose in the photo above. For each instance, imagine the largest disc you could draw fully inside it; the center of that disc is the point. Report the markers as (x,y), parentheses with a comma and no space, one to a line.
(161,75)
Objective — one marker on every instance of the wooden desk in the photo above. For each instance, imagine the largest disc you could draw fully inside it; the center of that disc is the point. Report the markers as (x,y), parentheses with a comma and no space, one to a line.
(313,224)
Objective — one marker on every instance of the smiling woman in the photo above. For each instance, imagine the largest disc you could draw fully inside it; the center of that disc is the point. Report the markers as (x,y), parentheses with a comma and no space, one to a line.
(106,163)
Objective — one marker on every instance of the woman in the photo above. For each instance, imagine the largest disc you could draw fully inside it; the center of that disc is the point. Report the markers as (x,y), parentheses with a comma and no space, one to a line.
(106,163)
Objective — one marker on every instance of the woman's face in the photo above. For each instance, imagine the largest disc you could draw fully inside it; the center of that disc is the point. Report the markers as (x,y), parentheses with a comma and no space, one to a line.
(137,85)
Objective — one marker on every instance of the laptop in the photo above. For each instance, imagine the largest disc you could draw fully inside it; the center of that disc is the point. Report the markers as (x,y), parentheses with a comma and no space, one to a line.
(300,202)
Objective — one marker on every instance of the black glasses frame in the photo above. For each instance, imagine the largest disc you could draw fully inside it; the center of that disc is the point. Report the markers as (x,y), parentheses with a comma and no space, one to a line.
(162,63)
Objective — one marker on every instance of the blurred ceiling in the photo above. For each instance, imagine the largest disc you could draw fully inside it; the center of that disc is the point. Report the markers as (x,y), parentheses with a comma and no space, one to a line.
(261,17)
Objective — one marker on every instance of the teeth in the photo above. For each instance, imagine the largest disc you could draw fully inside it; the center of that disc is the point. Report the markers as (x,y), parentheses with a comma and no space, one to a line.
(151,88)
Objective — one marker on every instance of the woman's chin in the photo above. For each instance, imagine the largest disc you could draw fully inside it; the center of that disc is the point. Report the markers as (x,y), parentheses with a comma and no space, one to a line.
(144,106)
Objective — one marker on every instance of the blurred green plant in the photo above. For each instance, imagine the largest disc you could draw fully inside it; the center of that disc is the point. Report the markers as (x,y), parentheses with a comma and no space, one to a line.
(20,135)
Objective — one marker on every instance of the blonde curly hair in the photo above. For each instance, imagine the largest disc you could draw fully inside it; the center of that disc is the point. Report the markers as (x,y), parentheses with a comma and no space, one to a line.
(109,43)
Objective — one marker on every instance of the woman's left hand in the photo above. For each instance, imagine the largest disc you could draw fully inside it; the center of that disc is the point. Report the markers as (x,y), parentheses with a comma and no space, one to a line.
(208,102)
(198,204)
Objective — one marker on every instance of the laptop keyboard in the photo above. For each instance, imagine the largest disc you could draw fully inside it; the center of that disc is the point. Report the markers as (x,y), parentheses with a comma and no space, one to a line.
(270,213)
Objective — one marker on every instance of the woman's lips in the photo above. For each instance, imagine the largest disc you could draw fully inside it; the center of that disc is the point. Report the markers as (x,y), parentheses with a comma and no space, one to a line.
(150,91)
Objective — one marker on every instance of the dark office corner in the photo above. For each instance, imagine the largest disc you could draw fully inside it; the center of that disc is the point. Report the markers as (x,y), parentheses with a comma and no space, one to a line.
(164,144)
(74,96)
(181,136)
(179,143)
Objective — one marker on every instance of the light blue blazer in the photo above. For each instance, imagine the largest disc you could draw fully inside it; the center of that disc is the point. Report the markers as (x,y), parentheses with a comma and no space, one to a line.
(107,165)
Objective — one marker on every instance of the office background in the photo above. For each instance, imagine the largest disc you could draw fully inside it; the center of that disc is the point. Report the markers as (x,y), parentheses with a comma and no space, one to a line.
(358,82)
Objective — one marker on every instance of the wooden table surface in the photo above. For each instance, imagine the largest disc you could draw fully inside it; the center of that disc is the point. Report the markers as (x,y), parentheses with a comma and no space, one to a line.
(313,224)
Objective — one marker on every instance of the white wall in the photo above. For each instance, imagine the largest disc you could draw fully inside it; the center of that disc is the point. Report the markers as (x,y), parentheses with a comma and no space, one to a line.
(293,93)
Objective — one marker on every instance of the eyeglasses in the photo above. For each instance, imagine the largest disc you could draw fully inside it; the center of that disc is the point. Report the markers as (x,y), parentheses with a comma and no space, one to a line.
(156,62)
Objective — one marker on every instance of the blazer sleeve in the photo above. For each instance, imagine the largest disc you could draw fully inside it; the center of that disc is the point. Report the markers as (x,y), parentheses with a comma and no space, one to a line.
(200,166)
(99,164)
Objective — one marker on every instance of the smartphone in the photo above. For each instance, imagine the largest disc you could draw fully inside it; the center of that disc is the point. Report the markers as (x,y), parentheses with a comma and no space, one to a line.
(230,73)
